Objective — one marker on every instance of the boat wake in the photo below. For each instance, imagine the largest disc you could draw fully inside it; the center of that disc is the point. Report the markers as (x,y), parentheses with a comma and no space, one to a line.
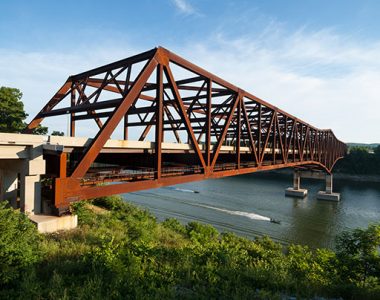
(182,190)
(251,216)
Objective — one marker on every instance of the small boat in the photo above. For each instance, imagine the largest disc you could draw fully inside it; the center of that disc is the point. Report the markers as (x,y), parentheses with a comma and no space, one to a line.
(275,221)
(196,192)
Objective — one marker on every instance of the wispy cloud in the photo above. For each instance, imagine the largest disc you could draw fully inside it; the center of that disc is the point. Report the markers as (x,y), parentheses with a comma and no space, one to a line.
(40,74)
(184,6)
(326,79)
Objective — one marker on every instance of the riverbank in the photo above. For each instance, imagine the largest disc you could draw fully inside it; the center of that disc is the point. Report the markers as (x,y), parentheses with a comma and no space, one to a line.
(120,251)
(357,178)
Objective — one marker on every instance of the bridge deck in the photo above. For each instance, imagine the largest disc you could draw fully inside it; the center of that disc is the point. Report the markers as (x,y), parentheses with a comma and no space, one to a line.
(13,146)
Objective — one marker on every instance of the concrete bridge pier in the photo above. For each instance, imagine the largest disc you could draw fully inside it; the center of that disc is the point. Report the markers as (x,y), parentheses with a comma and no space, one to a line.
(328,194)
(296,190)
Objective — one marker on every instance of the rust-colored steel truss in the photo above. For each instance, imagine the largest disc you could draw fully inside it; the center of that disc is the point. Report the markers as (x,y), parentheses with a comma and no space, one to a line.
(159,93)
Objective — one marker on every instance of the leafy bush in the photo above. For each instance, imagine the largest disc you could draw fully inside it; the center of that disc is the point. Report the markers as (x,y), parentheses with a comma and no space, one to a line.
(114,202)
(174,225)
(201,233)
(85,216)
(19,244)
(359,254)
(123,252)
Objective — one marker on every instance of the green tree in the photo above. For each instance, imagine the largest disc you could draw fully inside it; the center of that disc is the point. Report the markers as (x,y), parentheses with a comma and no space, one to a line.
(377,152)
(57,133)
(358,253)
(41,130)
(12,114)
(359,161)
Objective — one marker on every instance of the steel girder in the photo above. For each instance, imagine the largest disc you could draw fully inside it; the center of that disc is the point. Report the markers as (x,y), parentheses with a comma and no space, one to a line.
(158,89)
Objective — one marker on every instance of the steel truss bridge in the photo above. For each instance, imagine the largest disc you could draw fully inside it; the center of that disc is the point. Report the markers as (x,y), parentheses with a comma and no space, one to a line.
(218,130)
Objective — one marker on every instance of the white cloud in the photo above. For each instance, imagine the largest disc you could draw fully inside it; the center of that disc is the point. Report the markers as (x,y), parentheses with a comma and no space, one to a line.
(40,75)
(325,79)
(184,6)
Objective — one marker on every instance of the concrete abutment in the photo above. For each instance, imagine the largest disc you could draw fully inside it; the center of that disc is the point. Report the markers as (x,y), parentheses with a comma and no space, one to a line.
(21,168)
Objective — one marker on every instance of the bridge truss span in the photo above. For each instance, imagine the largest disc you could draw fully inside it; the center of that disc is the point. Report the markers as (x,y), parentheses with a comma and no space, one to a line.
(218,129)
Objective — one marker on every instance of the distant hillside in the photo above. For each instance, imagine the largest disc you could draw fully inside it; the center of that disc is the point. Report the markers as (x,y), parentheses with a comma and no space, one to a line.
(363,145)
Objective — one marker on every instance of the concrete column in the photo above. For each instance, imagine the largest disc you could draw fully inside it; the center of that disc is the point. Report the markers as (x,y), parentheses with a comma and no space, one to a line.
(328,193)
(30,194)
(296,180)
(30,190)
(296,190)
(329,183)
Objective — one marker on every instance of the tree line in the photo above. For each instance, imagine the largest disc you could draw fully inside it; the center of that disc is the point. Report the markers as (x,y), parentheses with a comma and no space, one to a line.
(360,161)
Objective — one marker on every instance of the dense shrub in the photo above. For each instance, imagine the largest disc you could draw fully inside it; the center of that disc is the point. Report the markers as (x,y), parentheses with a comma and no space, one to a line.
(175,225)
(358,253)
(19,244)
(123,252)
(111,203)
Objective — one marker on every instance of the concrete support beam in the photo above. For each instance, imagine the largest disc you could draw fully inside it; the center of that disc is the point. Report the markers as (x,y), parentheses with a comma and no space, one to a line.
(312,174)
(328,193)
(296,190)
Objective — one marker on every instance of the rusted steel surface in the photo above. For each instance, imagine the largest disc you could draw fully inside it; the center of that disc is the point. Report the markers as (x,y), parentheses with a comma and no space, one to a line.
(160,91)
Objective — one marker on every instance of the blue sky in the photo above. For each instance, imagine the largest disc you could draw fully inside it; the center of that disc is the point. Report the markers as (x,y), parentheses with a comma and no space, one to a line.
(319,60)
(41,25)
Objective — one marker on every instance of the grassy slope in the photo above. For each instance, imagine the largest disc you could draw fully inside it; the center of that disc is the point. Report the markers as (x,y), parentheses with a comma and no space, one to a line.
(120,251)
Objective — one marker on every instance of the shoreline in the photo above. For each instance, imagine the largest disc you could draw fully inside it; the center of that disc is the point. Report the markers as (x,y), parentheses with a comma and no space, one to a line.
(361,178)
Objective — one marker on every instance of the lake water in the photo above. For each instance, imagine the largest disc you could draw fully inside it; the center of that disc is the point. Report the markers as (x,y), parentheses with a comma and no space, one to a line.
(243,204)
